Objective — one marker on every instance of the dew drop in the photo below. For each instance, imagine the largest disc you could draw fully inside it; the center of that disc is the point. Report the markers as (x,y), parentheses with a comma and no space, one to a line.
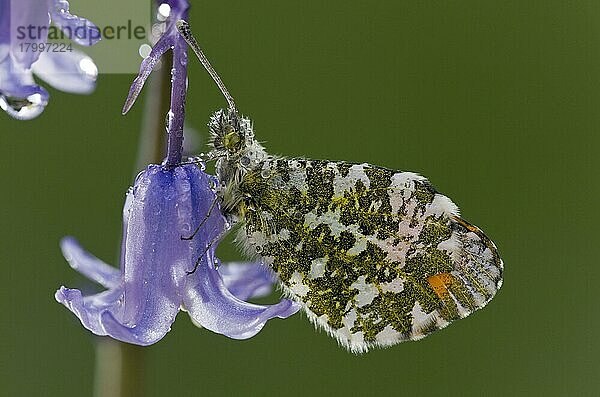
(23,108)
(89,68)
(164,10)
(61,6)
(158,29)
(144,50)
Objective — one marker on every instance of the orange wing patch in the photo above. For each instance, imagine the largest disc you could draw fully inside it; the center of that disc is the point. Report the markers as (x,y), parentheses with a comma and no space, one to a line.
(441,284)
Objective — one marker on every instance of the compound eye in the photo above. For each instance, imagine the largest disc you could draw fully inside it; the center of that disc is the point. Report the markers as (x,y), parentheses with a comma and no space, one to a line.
(245,161)
(231,140)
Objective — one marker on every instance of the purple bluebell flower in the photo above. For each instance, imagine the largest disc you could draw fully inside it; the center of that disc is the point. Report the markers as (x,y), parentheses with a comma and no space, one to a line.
(154,282)
(161,272)
(24,27)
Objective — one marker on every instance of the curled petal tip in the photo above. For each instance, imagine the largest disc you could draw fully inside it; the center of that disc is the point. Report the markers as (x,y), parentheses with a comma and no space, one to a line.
(64,294)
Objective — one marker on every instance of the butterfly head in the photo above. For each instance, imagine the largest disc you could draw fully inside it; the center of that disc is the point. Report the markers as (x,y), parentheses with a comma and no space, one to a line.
(232,138)
(229,132)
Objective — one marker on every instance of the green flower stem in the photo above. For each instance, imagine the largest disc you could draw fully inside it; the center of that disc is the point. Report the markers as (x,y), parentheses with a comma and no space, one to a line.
(119,369)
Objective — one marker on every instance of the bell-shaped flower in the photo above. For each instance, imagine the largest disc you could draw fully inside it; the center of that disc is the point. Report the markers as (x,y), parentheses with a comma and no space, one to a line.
(24,51)
(162,271)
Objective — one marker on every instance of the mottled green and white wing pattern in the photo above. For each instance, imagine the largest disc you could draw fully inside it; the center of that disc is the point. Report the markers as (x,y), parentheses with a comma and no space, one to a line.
(374,256)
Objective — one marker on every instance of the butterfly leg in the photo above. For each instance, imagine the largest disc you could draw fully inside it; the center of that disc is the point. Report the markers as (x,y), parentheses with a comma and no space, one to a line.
(206,217)
(199,260)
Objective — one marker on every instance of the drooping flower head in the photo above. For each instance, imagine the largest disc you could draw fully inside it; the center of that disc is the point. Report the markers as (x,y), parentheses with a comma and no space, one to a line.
(162,271)
(156,278)
(24,27)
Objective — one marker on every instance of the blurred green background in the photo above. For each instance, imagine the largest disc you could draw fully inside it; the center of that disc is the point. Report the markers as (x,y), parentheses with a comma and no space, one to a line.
(496,102)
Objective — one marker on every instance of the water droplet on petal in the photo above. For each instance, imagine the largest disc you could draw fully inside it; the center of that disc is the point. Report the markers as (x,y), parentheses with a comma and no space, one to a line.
(158,29)
(144,50)
(89,68)
(200,161)
(164,10)
(23,108)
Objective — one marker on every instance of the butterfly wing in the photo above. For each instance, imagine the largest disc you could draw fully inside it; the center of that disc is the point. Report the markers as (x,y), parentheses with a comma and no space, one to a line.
(374,256)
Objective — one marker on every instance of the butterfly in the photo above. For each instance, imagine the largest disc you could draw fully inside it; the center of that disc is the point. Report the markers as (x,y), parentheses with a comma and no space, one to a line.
(374,256)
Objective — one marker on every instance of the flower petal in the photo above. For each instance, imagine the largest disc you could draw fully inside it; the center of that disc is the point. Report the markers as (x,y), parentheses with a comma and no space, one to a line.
(72,72)
(20,97)
(247,280)
(88,265)
(212,306)
(143,334)
(80,30)
(89,309)
(4,29)
(155,257)
(29,26)
(96,314)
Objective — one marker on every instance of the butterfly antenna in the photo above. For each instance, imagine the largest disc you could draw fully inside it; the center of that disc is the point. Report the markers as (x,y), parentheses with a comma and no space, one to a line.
(184,30)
